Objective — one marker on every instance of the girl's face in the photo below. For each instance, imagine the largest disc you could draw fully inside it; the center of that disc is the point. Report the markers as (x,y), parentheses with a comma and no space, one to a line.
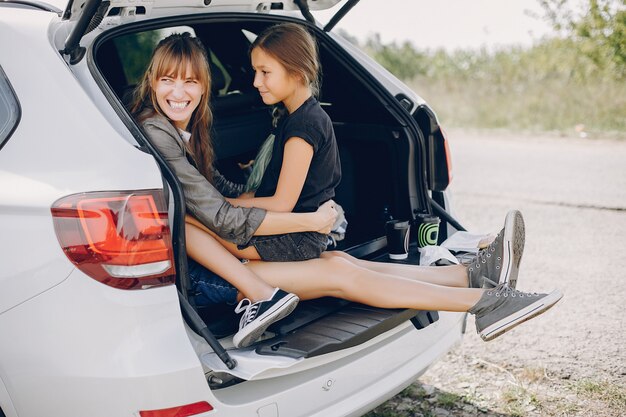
(273,81)
(178,97)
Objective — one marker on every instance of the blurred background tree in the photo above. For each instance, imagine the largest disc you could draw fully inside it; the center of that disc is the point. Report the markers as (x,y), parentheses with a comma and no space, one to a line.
(599,31)
(571,82)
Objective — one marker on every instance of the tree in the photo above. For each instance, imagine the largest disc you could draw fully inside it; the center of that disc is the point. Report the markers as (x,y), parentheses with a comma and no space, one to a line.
(599,31)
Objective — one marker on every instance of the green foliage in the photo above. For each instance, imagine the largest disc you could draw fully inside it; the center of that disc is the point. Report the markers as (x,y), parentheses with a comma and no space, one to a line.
(599,31)
(405,60)
(137,50)
(564,83)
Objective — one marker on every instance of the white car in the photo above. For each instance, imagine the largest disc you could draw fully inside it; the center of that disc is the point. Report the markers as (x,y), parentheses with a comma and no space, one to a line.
(93,272)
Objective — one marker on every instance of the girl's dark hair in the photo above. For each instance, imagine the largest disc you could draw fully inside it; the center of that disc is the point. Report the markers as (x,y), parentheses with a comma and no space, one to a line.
(294,47)
(173,56)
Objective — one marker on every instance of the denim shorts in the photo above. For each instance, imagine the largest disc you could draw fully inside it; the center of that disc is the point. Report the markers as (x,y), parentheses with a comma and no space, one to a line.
(289,247)
(209,288)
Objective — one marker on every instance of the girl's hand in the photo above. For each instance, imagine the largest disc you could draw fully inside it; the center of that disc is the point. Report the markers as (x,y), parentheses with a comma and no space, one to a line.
(326,215)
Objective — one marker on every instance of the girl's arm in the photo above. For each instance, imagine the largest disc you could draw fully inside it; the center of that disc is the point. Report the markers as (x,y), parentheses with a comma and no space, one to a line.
(296,162)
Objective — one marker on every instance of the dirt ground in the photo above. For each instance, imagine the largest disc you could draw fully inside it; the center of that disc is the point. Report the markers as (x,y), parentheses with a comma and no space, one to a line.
(571,361)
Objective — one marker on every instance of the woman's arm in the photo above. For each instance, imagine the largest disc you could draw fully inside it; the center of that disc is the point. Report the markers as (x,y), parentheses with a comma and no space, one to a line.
(320,221)
(202,200)
(226,187)
(296,162)
(205,203)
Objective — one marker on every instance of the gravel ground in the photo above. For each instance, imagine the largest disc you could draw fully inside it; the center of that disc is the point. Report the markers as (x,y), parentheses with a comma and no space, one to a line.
(571,361)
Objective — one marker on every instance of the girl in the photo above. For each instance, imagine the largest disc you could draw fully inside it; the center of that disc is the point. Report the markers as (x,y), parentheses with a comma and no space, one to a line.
(483,290)
(304,167)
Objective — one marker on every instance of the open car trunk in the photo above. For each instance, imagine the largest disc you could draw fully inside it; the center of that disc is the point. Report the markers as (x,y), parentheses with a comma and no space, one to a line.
(381,173)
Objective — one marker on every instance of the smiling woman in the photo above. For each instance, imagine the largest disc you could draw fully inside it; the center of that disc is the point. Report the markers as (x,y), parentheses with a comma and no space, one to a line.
(178,96)
(178,89)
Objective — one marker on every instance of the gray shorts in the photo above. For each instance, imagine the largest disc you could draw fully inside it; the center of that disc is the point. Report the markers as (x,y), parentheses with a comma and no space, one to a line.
(289,247)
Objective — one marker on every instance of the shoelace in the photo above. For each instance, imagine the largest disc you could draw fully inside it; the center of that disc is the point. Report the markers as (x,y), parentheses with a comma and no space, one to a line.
(249,312)
(503,290)
(483,254)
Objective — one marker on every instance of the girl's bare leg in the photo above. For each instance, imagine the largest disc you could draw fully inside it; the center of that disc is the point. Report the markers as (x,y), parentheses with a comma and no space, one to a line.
(338,277)
(449,276)
(210,253)
(247,253)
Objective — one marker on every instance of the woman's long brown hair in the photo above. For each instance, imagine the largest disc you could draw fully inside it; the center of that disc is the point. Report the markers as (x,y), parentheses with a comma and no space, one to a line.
(172,56)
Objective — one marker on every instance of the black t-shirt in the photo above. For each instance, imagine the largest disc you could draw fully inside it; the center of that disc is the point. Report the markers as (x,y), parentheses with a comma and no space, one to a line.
(312,124)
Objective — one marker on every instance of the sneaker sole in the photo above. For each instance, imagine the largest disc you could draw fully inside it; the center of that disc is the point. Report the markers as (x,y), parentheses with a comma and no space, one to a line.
(513,248)
(519,317)
(279,311)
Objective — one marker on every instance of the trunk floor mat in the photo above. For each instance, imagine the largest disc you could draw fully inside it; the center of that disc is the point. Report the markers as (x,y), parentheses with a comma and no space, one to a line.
(350,324)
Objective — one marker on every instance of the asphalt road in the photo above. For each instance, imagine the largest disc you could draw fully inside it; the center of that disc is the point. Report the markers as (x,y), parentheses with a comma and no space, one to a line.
(572,193)
(571,360)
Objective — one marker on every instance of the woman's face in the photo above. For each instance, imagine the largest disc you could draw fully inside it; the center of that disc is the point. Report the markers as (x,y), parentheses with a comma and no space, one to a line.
(178,96)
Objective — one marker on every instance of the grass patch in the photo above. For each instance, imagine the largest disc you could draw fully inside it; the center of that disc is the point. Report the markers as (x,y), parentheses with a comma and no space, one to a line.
(448,400)
(416,400)
(556,105)
(613,395)
(554,86)
(518,400)
(533,375)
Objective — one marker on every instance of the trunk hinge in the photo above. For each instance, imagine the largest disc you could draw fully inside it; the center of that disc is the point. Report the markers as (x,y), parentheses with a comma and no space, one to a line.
(91,17)
(304,9)
(339,15)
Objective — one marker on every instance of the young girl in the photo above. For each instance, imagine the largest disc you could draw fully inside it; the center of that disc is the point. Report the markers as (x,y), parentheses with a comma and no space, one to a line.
(484,290)
(304,167)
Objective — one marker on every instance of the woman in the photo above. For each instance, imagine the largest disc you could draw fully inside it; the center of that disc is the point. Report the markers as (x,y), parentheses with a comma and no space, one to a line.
(172,106)
(168,113)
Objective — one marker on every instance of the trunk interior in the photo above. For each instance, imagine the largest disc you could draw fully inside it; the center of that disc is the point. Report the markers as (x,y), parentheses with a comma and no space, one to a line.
(377,157)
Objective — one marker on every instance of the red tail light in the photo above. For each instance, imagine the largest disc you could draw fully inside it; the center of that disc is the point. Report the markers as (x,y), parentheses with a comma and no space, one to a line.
(183,411)
(120,238)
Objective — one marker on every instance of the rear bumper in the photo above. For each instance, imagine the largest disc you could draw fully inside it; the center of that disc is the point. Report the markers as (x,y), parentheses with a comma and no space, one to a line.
(354,382)
(85,349)
(82,348)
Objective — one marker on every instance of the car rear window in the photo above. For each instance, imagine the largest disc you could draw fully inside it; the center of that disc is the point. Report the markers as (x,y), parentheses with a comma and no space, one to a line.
(136,50)
(9,109)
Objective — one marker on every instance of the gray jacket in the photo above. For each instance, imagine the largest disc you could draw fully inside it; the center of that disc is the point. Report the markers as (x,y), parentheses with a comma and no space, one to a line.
(203,200)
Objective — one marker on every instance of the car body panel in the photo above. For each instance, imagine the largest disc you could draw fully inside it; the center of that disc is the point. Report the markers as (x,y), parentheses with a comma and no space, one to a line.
(30,178)
(79,347)
(121,340)
(358,379)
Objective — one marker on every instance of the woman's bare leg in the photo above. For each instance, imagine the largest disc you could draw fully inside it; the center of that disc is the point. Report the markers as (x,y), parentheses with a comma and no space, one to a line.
(210,253)
(338,277)
(449,276)
(247,253)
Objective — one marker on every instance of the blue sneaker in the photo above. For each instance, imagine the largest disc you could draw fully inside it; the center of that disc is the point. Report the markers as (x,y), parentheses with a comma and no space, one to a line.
(257,317)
